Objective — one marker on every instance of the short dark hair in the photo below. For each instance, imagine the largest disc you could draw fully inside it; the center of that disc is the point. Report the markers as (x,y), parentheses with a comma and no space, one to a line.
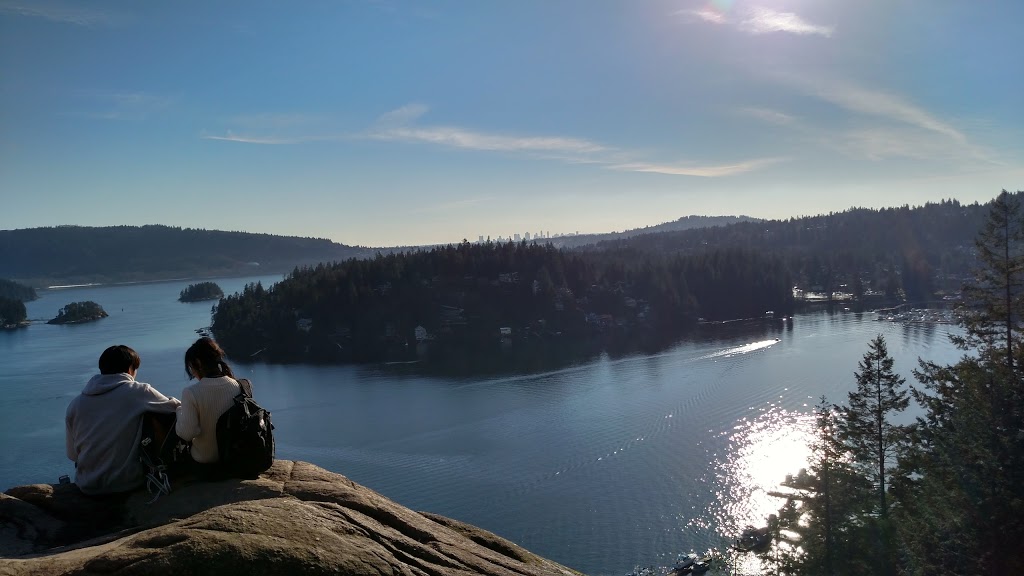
(119,359)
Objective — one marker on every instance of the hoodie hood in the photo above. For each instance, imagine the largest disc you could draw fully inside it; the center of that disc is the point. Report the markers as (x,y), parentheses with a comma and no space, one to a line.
(103,383)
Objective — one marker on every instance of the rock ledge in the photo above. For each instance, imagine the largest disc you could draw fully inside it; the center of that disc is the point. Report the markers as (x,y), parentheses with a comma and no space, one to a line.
(296,518)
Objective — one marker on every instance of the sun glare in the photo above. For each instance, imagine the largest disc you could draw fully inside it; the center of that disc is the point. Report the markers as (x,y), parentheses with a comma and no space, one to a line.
(763,450)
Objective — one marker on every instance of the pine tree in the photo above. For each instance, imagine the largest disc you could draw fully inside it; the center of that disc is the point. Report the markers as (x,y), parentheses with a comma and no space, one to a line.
(829,468)
(956,516)
(831,539)
(990,312)
(872,440)
(967,511)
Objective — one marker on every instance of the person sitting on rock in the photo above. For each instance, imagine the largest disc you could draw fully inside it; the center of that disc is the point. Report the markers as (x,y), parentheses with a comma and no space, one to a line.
(104,424)
(203,403)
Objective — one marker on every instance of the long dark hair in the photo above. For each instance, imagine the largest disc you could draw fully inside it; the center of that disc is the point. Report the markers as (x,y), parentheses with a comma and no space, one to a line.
(208,358)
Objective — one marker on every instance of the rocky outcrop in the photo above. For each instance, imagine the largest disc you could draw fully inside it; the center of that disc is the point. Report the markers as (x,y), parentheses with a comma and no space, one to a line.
(294,519)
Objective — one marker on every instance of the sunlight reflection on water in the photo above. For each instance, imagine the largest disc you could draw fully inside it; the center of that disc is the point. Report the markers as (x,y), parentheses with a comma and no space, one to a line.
(762,449)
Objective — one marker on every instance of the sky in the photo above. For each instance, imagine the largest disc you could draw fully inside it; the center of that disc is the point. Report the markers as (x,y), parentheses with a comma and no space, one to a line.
(383,123)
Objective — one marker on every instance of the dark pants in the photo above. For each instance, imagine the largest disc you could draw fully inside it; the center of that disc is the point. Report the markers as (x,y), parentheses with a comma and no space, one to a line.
(166,448)
(188,469)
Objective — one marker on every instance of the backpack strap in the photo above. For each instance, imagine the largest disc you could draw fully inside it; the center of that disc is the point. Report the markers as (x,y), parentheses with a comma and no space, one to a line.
(245,386)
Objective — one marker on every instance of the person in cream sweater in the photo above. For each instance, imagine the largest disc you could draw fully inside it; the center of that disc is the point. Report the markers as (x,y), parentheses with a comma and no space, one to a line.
(203,403)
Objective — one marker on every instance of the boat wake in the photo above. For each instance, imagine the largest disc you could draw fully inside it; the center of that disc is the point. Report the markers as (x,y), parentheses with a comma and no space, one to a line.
(745,349)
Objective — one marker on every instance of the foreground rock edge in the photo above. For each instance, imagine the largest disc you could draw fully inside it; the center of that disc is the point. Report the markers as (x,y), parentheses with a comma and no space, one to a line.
(295,518)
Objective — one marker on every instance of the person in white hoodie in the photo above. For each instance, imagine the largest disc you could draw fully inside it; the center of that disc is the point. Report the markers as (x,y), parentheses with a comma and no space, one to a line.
(104,424)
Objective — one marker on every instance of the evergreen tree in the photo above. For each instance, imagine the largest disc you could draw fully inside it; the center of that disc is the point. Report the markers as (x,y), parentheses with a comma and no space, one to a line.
(15,291)
(966,513)
(963,513)
(872,440)
(831,539)
(12,312)
(957,486)
(991,307)
(201,291)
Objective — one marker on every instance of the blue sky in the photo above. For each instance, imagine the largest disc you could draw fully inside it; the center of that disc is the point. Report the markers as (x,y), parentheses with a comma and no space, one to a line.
(386,123)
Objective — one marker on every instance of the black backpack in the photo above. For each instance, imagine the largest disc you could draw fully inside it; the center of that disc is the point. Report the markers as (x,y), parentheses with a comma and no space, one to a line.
(245,436)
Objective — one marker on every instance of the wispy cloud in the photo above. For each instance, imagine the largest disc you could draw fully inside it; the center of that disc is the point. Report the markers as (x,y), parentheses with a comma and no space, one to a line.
(707,15)
(882,105)
(759,20)
(461,138)
(63,13)
(403,115)
(877,125)
(767,115)
(566,149)
(400,125)
(885,142)
(764,20)
(268,140)
(275,129)
(708,171)
(877,143)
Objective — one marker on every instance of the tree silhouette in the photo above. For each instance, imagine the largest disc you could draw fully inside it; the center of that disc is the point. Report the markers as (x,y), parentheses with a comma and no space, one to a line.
(872,440)
(991,309)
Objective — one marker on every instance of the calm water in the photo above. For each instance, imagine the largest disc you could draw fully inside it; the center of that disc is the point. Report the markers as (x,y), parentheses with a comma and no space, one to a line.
(602,467)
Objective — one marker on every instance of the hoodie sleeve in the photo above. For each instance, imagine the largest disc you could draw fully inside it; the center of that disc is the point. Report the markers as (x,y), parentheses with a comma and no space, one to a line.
(157,402)
(187,424)
(69,439)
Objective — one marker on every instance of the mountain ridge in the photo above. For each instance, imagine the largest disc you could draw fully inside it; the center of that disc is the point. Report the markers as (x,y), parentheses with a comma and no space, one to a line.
(113,254)
(73,254)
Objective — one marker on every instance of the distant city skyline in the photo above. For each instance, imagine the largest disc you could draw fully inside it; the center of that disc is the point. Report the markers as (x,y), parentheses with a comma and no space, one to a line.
(387,123)
(527,236)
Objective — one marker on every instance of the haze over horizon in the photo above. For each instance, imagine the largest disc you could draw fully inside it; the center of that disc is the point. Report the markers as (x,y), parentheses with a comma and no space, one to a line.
(382,123)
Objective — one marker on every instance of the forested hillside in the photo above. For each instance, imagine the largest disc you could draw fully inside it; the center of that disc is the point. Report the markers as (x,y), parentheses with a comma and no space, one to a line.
(78,254)
(16,291)
(945,493)
(684,223)
(467,300)
(903,251)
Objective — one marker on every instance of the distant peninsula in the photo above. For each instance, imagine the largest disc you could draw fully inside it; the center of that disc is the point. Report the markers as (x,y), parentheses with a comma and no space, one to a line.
(63,255)
(201,291)
(485,307)
(79,313)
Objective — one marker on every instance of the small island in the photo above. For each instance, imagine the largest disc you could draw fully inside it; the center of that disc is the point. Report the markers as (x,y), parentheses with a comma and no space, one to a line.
(201,291)
(78,313)
(12,314)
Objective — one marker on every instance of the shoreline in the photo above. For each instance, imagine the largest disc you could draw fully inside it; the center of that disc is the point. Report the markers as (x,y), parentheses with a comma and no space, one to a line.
(58,287)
